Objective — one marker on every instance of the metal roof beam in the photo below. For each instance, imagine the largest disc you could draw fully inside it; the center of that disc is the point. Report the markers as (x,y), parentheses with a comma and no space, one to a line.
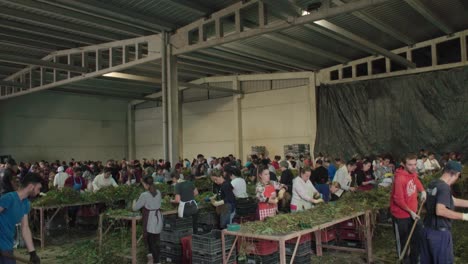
(120,14)
(384,52)
(192,63)
(184,86)
(382,26)
(289,41)
(133,77)
(191,5)
(273,56)
(430,16)
(95,93)
(38,39)
(13,84)
(55,24)
(213,61)
(65,14)
(181,40)
(41,63)
(289,67)
(240,59)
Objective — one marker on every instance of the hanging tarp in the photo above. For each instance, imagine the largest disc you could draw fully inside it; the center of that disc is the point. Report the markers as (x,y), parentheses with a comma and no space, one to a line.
(395,115)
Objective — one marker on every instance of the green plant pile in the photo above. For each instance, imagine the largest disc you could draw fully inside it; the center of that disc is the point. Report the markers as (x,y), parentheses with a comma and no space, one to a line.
(251,189)
(203,184)
(201,197)
(165,188)
(108,195)
(166,204)
(323,213)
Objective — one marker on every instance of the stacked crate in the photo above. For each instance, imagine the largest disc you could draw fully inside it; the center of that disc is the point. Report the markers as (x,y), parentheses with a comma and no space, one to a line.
(174,230)
(303,252)
(257,150)
(295,150)
(207,248)
(328,236)
(349,233)
(207,221)
(259,251)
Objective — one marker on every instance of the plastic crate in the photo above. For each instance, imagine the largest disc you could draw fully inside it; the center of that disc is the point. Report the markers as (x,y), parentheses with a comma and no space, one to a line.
(304,238)
(268,259)
(173,223)
(175,236)
(243,219)
(204,228)
(348,224)
(246,206)
(210,243)
(327,235)
(299,259)
(351,244)
(208,218)
(172,248)
(260,247)
(198,258)
(303,248)
(348,234)
(171,258)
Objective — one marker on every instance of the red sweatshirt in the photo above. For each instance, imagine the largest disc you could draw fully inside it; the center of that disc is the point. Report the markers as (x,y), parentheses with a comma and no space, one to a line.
(405,193)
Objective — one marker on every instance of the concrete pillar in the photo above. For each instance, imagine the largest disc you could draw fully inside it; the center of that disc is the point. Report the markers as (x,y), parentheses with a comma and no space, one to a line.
(174,112)
(164,93)
(312,113)
(237,108)
(131,132)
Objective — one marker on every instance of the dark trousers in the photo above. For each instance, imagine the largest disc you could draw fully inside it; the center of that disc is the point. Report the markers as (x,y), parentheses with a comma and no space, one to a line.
(402,228)
(7,260)
(153,246)
(436,247)
(191,209)
(72,212)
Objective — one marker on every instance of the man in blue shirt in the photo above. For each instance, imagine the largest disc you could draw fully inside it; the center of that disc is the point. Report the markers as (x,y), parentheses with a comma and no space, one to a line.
(14,208)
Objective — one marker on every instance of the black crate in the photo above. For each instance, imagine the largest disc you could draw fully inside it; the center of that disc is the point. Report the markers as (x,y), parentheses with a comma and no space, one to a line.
(172,248)
(175,236)
(198,258)
(351,244)
(246,206)
(173,223)
(268,259)
(210,243)
(208,218)
(171,258)
(303,248)
(299,259)
(204,229)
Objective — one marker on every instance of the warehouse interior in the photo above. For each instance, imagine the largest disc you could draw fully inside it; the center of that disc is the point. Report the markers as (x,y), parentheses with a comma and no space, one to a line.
(170,79)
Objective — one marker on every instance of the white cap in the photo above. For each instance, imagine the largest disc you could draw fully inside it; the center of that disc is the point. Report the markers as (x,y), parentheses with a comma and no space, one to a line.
(60,169)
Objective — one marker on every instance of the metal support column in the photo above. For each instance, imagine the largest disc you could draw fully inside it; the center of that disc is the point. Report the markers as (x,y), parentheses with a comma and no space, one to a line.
(165,139)
(131,131)
(174,110)
(237,108)
(312,113)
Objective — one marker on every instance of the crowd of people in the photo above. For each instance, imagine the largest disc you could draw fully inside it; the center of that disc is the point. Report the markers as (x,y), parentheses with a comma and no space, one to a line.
(319,180)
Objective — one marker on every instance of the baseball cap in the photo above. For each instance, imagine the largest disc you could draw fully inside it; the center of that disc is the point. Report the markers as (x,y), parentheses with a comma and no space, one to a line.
(453,166)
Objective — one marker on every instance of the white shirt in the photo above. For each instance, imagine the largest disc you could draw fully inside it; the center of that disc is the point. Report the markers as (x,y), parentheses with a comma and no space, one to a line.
(101,182)
(431,164)
(302,192)
(60,178)
(343,177)
(239,188)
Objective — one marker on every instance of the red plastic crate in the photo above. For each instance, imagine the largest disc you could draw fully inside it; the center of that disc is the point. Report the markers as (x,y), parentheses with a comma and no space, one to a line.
(259,247)
(304,238)
(348,234)
(348,224)
(327,235)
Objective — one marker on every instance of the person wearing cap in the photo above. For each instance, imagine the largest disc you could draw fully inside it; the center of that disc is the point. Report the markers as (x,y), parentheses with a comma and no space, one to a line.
(437,244)
(9,178)
(14,209)
(60,178)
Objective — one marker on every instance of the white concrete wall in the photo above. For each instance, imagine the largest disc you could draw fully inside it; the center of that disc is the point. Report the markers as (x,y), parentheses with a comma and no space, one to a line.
(52,126)
(271,118)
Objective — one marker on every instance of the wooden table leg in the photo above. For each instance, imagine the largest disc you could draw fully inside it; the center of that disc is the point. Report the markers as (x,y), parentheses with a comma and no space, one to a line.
(134,240)
(295,249)
(368,238)
(41,228)
(282,249)
(318,243)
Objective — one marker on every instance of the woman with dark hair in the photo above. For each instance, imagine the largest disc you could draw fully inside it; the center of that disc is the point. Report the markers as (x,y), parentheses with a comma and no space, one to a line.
(266,193)
(364,178)
(150,202)
(185,192)
(225,201)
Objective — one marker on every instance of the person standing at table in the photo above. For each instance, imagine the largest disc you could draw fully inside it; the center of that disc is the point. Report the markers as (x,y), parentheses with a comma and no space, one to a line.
(304,191)
(185,192)
(266,193)
(152,218)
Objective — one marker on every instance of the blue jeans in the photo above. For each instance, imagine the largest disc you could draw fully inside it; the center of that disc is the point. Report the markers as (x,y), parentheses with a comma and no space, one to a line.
(226,217)
(6,260)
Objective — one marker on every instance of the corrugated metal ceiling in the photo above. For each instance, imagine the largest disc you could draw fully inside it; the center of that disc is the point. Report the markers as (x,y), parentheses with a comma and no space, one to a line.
(34,28)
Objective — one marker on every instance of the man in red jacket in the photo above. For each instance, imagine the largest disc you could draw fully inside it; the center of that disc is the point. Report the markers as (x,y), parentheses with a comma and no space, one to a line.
(404,207)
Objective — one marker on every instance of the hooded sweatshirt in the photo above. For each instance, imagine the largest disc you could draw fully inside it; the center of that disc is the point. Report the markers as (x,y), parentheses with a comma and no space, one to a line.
(405,193)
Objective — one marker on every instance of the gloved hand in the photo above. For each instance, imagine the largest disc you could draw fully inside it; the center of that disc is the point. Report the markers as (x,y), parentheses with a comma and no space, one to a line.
(34,258)
(42,194)
(217,203)
(465,217)
(414,215)
(281,194)
(423,196)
